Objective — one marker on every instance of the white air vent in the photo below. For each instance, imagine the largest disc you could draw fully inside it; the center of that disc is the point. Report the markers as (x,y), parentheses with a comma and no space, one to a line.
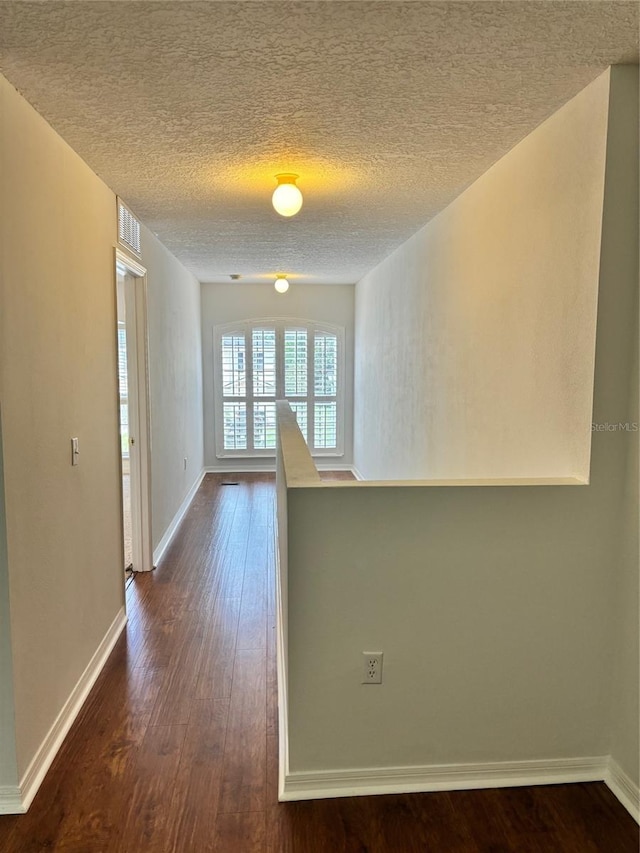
(128,229)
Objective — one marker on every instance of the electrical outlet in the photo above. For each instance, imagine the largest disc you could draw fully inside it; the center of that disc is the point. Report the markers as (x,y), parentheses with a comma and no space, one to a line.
(372,667)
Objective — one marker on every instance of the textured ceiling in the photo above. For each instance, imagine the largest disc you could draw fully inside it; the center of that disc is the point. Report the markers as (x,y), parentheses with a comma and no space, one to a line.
(387,110)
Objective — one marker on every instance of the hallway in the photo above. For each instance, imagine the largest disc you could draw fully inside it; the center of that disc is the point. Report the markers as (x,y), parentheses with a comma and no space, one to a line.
(176,747)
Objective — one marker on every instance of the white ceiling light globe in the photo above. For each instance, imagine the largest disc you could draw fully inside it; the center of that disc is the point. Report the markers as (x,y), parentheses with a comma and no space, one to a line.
(287,198)
(281,285)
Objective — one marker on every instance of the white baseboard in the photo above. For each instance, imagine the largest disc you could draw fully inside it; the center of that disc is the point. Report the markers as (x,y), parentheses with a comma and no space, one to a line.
(177,518)
(356,473)
(444,777)
(623,788)
(49,747)
(281,662)
(10,800)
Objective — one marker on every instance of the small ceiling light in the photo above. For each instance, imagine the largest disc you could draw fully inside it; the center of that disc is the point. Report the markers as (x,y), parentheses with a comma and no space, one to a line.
(287,198)
(281,285)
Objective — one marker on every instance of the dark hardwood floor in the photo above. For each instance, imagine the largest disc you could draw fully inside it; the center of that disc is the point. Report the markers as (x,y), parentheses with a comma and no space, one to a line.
(176,747)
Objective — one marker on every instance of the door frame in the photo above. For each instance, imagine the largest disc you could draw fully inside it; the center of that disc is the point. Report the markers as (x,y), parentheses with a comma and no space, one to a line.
(141,484)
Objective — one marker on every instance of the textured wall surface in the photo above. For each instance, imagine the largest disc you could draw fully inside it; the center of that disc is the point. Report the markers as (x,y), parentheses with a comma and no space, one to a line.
(226,303)
(386,109)
(475,340)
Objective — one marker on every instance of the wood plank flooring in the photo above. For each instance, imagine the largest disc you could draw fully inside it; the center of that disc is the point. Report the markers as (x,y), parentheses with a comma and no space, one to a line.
(176,747)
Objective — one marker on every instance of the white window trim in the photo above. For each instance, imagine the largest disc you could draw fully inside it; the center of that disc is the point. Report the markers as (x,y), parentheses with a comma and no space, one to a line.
(279,324)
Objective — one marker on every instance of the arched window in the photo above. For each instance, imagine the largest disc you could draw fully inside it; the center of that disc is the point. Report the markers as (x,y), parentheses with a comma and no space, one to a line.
(260,361)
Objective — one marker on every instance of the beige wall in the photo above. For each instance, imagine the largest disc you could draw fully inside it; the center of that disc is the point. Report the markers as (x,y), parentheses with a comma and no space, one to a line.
(226,303)
(487,603)
(175,379)
(616,401)
(57,358)
(625,704)
(58,380)
(475,339)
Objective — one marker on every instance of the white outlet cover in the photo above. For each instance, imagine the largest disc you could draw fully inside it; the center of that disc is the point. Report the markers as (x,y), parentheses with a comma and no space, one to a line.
(372,667)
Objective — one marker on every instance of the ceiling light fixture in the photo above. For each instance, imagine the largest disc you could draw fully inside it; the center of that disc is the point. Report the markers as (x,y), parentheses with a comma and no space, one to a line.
(287,198)
(281,284)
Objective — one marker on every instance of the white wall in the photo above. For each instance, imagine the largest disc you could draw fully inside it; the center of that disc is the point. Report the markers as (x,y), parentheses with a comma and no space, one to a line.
(487,603)
(175,378)
(58,379)
(57,361)
(616,401)
(475,339)
(226,303)
(625,695)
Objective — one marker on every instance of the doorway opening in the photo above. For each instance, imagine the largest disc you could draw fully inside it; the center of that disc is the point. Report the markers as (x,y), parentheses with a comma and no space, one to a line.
(133,414)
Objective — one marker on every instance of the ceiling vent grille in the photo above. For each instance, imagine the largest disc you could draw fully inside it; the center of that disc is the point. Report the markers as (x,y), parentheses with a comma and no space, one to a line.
(128,229)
